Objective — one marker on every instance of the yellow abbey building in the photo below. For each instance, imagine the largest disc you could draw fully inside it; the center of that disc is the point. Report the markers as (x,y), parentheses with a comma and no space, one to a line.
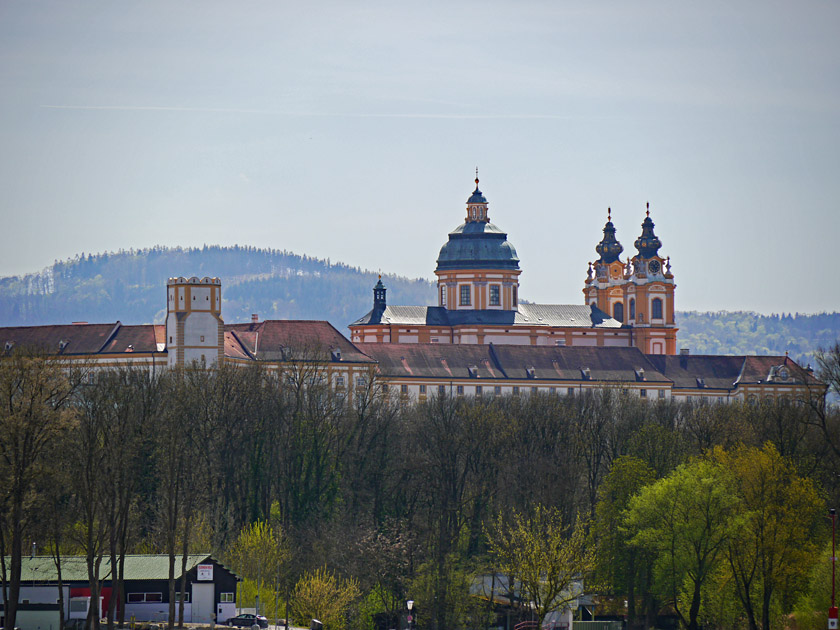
(627,304)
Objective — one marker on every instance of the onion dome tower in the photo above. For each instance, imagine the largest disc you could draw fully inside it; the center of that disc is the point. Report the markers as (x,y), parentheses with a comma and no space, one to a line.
(650,294)
(478,268)
(605,289)
(609,249)
(648,243)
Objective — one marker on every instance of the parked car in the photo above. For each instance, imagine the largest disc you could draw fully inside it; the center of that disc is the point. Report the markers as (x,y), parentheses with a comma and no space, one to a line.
(246,620)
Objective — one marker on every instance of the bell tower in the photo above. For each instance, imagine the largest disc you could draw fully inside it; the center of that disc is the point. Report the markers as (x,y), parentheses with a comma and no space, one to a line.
(650,295)
(607,276)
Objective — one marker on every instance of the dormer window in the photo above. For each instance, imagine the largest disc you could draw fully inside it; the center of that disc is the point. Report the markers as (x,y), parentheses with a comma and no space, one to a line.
(586,373)
(531,372)
(473,370)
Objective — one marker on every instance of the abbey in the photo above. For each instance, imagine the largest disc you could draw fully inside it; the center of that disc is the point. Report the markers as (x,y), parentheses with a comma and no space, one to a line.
(627,304)
(478,340)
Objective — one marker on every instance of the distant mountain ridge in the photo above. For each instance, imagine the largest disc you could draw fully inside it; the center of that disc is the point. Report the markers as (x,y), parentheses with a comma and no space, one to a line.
(129,286)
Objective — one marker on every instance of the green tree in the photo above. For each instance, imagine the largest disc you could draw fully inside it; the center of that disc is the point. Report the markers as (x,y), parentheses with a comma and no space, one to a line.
(260,554)
(620,567)
(324,596)
(546,556)
(685,519)
(771,551)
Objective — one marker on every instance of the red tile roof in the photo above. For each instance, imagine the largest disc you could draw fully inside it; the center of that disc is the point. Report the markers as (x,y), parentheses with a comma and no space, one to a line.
(278,340)
(64,339)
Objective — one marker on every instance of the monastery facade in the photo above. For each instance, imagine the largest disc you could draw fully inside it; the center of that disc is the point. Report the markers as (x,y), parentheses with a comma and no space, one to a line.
(627,304)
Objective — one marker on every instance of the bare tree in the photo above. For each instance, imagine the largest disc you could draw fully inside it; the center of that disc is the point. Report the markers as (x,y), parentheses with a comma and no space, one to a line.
(35,392)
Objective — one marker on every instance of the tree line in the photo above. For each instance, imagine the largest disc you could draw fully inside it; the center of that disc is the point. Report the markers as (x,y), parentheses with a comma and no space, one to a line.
(341,507)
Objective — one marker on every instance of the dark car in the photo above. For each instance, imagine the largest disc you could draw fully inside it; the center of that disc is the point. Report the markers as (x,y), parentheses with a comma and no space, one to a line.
(246,620)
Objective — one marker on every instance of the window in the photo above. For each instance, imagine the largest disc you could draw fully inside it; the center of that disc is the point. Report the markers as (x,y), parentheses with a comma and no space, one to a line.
(339,380)
(202,338)
(441,390)
(385,388)
(443,296)
(560,342)
(178,597)
(479,390)
(495,295)
(618,311)
(465,295)
(570,391)
(656,308)
(515,390)
(662,393)
(460,390)
(403,389)
(514,296)
(139,598)
(360,381)
(77,606)
(534,390)
(226,598)
(497,390)
(643,393)
(423,389)
(632,309)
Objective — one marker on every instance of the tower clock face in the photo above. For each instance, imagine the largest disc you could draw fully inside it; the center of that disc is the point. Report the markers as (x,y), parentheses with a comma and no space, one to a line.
(654,266)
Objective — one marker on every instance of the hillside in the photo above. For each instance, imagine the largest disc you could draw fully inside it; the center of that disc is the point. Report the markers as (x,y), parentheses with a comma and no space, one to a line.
(130,286)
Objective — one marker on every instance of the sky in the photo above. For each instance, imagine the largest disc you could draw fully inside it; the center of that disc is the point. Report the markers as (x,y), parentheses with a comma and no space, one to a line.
(352,130)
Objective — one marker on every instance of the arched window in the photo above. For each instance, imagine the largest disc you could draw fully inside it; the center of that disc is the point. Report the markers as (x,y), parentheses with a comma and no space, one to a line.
(632,309)
(618,311)
(656,308)
(515,303)
(443,296)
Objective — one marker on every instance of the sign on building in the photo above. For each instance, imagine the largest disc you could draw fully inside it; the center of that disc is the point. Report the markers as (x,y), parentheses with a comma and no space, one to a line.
(205,573)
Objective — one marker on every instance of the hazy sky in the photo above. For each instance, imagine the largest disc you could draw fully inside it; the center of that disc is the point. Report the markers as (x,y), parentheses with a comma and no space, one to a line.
(351,130)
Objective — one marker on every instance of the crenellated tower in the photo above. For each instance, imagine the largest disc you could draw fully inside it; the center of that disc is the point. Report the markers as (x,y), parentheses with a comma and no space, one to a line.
(194,327)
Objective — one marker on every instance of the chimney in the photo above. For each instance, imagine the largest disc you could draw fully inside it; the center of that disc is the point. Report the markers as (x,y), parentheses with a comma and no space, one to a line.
(255,319)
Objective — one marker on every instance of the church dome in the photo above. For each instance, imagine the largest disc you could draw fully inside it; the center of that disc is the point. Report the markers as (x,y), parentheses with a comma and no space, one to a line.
(477,245)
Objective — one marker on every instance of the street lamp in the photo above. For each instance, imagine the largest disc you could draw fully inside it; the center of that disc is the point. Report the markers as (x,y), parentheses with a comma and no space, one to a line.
(410,604)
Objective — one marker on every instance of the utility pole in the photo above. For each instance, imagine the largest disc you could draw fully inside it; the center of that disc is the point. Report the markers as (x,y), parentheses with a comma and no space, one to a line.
(832,612)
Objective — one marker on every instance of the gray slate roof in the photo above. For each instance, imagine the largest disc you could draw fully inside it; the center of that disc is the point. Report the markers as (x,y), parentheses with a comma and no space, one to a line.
(552,315)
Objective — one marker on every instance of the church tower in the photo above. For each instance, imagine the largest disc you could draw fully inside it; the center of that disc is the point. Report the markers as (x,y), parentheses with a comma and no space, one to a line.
(650,295)
(194,327)
(477,268)
(605,287)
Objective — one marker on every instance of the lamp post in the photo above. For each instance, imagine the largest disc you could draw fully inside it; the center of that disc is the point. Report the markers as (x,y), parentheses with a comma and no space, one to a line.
(410,604)
(832,612)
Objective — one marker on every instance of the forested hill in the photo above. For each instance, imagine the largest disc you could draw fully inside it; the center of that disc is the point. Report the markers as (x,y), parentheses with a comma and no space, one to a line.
(129,286)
